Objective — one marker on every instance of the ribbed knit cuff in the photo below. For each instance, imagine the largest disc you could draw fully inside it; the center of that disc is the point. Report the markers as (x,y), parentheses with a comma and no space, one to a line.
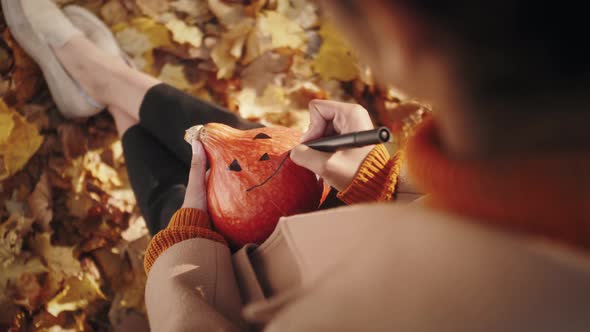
(376,178)
(185,224)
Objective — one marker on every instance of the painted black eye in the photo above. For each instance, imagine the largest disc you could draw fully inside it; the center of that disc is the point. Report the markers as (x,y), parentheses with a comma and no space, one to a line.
(262,136)
(264,157)
(235,166)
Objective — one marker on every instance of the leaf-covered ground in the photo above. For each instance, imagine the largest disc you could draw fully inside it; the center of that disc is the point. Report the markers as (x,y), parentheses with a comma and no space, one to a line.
(71,238)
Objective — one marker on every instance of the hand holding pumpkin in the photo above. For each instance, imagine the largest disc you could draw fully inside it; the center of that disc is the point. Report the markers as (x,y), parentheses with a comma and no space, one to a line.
(329,118)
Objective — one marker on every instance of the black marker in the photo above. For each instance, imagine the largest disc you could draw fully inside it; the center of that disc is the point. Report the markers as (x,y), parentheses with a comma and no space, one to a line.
(350,140)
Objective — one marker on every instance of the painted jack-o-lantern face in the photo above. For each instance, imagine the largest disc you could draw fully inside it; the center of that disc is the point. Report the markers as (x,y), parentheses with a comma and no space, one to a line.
(253,182)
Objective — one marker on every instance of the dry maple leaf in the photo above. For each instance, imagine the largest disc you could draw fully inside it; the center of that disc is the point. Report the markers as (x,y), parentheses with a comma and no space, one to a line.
(182,33)
(20,145)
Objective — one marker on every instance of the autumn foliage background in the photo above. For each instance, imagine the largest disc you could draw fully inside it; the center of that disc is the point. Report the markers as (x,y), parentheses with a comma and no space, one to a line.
(71,238)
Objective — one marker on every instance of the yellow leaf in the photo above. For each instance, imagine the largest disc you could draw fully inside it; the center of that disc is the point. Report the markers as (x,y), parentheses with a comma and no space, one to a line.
(78,293)
(174,75)
(20,145)
(6,126)
(139,37)
(273,31)
(182,33)
(334,59)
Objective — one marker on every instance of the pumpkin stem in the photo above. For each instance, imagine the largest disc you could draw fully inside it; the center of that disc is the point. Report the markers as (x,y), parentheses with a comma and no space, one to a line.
(193,133)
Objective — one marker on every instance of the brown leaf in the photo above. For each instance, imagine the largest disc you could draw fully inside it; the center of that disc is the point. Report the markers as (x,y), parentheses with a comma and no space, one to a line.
(26,77)
(74,140)
(6,60)
(40,203)
(29,291)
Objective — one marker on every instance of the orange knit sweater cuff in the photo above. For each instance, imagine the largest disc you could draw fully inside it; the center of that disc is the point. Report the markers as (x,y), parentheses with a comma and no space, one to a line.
(185,224)
(375,180)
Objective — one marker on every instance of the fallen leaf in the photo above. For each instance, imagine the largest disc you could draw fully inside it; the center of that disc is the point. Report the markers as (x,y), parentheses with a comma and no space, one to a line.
(6,61)
(16,150)
(60,260)
(197,10)
(40,203)
(28,290)
(181,33)
(73,139)
(12,232)
(227,14)
(78,293)
(334,59)
(133,41)
(265,70)
(273,31)
(113,12)
(152,8)
(252,106)
(6,126)
(79,205)
(174,75)
(229,48)
(302,12)
(26,76)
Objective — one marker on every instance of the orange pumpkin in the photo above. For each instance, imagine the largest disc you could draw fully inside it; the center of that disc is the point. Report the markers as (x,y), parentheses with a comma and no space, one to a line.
(253,182)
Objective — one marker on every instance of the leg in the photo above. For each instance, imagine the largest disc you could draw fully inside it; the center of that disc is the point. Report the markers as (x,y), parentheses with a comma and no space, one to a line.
(157,177)
(163,111)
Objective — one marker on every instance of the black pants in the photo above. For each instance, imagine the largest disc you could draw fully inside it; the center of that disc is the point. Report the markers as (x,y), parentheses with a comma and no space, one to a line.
(157,157)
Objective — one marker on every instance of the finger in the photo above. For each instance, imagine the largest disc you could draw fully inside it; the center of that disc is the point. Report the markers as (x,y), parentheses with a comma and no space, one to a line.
(345,117)
(317,123)
(311,159)
(196,190)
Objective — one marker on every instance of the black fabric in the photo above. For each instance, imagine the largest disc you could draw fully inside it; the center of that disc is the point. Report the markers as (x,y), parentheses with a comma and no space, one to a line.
(158,158)
(167,112)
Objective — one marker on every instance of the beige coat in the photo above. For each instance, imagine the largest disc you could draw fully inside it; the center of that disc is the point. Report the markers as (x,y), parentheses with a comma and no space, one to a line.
(382,267)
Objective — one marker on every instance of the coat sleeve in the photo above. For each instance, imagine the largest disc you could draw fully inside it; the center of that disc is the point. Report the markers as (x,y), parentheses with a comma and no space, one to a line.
(191,283)
(191,287)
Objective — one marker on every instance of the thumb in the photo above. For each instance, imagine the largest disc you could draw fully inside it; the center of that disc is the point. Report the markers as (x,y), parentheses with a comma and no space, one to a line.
(196,190)
(311,159)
